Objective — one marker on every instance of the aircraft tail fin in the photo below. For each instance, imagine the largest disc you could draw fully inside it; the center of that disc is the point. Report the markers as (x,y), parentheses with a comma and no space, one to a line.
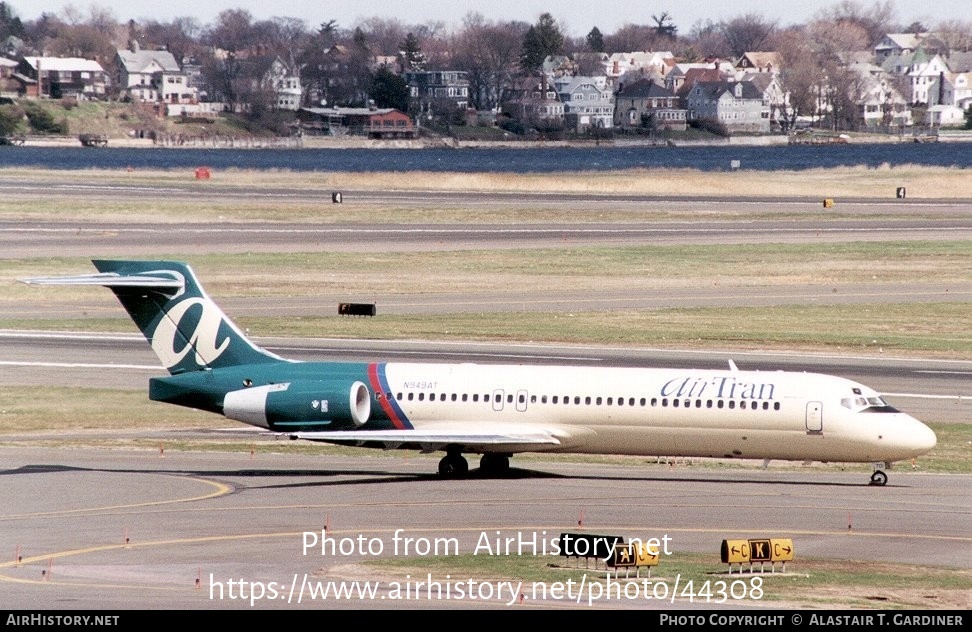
(186,329)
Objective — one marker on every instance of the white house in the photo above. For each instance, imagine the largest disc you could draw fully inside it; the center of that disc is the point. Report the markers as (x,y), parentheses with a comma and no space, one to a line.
(588,102)
(153,76)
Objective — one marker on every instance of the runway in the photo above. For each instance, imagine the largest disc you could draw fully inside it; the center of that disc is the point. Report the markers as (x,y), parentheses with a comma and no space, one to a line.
(134,530)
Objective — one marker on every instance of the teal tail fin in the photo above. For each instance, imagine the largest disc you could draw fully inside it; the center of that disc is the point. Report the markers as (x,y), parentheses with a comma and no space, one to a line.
(186,329)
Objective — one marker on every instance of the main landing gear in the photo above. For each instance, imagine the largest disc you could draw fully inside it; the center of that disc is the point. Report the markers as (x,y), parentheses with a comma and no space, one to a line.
(454,465)
(494,464)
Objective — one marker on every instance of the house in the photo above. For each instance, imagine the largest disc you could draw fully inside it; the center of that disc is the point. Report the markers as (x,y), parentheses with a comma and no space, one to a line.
(898,44)
(646,64)
(683,76)
(954,86)
(761,62)
(561,65)
(60,77)
(957,90)
(924,73)
(879,104)
(370,122)
(588,102)
(737,105)
(646,105)
(428,87)
(535,103)
(774,95)
(275,78)
(9,86)
(152,76)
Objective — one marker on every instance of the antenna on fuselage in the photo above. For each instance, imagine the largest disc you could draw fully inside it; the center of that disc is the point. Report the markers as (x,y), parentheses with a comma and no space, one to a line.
(732,365)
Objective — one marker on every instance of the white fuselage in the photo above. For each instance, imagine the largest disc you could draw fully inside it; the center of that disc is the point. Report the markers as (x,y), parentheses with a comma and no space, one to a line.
(662,412)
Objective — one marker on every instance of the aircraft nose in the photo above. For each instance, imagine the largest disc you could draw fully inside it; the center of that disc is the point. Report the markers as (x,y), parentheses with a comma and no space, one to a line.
(922,437)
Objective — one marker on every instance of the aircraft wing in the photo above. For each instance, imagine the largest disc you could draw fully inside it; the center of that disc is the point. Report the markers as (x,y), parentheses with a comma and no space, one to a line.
(501,437)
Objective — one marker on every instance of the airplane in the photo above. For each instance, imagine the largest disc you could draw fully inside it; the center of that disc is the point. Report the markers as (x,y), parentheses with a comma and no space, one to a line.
(498,410)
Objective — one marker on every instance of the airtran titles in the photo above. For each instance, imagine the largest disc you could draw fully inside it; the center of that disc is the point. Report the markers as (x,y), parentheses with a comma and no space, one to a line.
(717,387)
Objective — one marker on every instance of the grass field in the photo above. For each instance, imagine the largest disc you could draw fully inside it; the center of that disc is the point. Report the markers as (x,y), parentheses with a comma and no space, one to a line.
(881,182)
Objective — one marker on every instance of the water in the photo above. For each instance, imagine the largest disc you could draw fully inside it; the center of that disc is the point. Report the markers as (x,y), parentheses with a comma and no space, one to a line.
(526,160)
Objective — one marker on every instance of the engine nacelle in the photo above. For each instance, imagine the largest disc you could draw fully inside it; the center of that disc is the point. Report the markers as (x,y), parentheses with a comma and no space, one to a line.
(317,403)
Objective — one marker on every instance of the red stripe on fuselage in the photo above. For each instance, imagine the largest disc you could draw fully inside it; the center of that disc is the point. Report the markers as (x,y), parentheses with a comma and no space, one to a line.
(379,386)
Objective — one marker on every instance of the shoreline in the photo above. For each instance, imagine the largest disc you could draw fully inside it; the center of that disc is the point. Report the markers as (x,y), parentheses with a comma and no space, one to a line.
(331,142)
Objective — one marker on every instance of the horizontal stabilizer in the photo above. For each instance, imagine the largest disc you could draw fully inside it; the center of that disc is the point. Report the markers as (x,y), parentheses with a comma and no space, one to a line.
(109,279)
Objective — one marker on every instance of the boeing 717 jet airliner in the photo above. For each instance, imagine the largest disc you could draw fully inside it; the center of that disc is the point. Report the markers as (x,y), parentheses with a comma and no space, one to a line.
(498,410)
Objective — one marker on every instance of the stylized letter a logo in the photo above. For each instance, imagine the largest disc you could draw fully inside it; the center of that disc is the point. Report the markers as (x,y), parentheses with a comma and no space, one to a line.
(202,340)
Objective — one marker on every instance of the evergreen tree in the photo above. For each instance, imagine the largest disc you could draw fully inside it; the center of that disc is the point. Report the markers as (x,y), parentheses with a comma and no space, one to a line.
(412,57)
(389,90)
(10,24)
(542,40)
(595,40)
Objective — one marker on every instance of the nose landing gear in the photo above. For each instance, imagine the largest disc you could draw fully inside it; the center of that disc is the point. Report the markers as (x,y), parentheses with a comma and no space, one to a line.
(879,478)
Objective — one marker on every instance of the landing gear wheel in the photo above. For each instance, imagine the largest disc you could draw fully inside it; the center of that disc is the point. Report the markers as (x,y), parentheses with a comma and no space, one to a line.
(494,464)
(453,465)
(879,478)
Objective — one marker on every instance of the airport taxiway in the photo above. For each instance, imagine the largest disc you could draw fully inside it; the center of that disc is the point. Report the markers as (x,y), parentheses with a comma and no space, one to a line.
(122,529)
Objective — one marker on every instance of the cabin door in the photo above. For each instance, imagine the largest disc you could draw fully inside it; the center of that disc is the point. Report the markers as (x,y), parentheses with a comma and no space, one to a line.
(815,418)
(521,401)
(498,399)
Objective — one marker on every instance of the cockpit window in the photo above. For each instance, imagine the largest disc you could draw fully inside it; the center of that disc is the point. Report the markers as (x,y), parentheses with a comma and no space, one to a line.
(874,404)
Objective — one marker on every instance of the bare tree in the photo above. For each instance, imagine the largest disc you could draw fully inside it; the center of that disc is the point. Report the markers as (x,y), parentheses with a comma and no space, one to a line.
(833,41)
(489,52)
(876,21)
(180,36)
(103,20)
(286,37)
(630,37)
(664,25)
(76,36)
(800,75)
(232,31)
(705,40)
(955,34)
(384,34)
(747,33)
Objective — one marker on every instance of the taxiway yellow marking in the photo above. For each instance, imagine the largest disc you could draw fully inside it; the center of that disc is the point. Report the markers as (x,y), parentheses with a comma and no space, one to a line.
(221,489)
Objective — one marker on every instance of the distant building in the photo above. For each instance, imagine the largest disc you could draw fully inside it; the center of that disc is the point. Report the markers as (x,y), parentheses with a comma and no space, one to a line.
(588,102)
(427,87)
(897,44)
(9,86)
(759,61)
(271,76)
(737,105)
(646,105)
(535,104)
(153,76)
(370,122)
(61,77)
